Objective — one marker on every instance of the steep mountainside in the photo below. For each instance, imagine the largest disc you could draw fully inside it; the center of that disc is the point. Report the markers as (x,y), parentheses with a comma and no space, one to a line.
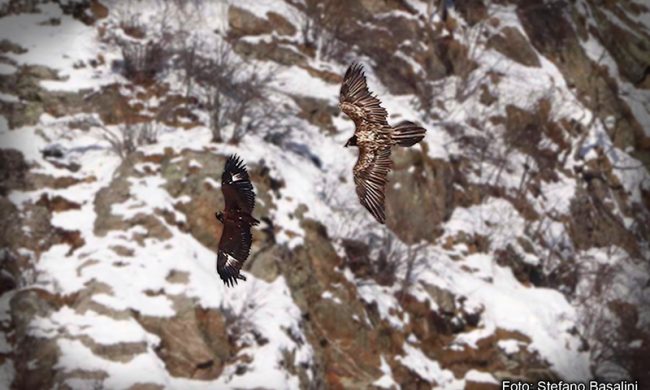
(517,236)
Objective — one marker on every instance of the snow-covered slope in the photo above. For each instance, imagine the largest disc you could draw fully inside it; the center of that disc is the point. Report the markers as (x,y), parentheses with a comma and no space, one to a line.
(515,245)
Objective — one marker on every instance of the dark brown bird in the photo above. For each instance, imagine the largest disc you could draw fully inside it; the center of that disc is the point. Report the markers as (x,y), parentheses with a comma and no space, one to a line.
(235,242)
(374,137)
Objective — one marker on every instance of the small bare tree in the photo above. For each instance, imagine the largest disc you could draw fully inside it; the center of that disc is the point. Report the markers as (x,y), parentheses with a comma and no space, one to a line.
(216,76)
(188,60)
(252,107)
(413,258)
(463,50)
(146,45)
(236,95)
(388,258)
(386,264)
(607,317)
(321,27)
(144,60)
(239,316)
(125,138)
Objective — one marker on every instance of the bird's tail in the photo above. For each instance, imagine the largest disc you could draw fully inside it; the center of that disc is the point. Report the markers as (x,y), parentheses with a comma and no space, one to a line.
(407,133)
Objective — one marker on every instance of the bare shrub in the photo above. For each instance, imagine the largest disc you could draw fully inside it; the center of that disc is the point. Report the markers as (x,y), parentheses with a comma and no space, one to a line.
(132,26)
(395,257)
(386,264)
(236,95)
(188,59)
(238,319)
(378,260)
(146,47)
(308,24)
(439,7)
(143,61)
(462,51)
(125,138)
(426,93)
(384,259)
(321,28)
(16,270)
(608,313)
(216,76)
(523,130)
(413,259)
(252,108)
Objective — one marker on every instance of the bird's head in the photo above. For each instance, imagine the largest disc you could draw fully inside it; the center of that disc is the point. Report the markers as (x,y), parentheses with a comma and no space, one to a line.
(352,141)
(219,216)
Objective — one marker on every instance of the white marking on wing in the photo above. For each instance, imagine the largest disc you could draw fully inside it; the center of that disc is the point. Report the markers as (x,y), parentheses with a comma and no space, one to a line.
(231,261)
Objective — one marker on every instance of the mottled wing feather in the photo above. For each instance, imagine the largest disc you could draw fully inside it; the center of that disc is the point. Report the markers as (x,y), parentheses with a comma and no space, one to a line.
(236,186)
(355,91)
(370,174)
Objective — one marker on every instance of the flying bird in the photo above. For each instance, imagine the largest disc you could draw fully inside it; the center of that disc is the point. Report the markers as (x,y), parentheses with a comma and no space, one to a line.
(374,137)
(235,242)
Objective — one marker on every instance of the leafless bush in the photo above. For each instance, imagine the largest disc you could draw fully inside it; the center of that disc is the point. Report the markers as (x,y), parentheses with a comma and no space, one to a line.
(383,259)
(463,51)
(321,28)
(217,77)
(146,47)
(378,260)
(413,258)
(608,323)
(188,60)
(432,99)
(16,271)
(439,7)
(394,257)
(98,384)
(125,138)
(236,95)
(239,318)
(426,92)
(333,48)
(523,131)
(144,60)
(309,31)
(132,26)
(386,264)
(484,148)
(184,5)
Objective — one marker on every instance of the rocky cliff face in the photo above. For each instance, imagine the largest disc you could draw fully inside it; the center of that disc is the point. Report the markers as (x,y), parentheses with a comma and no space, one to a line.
(516,243)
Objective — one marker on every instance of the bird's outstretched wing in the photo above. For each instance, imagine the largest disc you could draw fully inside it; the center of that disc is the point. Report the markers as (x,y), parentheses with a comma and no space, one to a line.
(236,186)
(354,90)
(370,180)
(236,238)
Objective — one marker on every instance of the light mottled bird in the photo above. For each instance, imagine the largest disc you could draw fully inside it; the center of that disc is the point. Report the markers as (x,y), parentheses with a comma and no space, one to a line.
(374,137)
(235,242)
